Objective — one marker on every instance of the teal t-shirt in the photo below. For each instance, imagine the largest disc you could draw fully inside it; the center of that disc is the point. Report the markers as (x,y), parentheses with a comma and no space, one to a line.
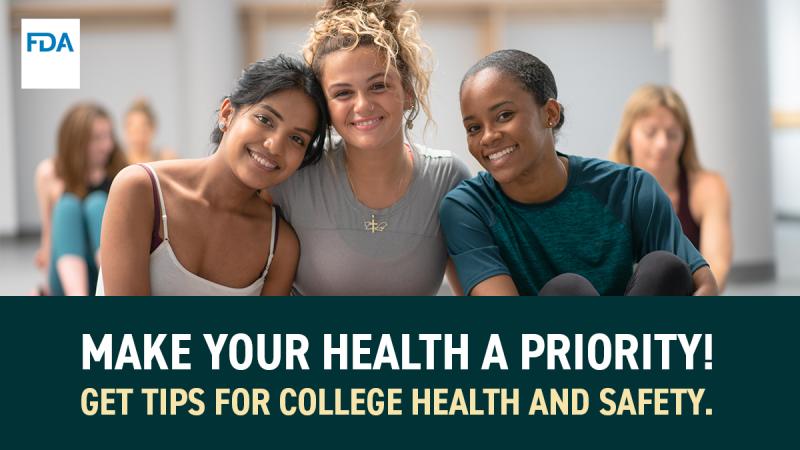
(607,218)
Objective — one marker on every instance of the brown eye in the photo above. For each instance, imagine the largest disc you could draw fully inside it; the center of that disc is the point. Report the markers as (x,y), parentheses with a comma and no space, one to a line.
(264,120)
(504,116)
(341,94)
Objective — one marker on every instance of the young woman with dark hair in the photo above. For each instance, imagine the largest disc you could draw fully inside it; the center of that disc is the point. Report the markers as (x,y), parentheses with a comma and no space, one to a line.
(543,222)
(199,227)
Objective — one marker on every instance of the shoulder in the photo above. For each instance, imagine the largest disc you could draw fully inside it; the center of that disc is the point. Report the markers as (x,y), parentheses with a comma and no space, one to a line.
(707,182)
(590,168)
(308,180)
(476,194)
(607,179)
(45,175)
(286,238)
(48,186)
(46,169)
(442,165)
(707,187)
(132,181)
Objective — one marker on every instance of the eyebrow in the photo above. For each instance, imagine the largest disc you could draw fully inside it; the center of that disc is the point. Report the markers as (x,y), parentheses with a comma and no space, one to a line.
(337,85)
(492,108)
(280,117)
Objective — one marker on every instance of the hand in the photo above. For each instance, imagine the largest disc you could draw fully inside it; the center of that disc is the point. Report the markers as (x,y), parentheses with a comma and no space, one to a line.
(41,258)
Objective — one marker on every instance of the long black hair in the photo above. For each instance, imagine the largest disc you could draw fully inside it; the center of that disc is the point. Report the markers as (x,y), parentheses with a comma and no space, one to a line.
(268,76)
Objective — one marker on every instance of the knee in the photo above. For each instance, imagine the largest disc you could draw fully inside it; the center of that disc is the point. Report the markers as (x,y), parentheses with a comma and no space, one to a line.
(661,273)
(665,263)
(67,213)
(95,203)
(568,284)
(68,205)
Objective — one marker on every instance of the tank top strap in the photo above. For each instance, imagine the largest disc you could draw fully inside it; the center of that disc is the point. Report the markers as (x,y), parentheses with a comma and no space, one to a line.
(690,228)
(272,240)
(162,207)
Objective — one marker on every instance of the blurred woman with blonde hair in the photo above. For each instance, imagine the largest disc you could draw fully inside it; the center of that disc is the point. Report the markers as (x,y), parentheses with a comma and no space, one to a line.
(656,135)
(140,128)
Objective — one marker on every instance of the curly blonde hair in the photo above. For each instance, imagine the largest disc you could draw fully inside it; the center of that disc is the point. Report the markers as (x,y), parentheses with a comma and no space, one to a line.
(641,103)
(394,31)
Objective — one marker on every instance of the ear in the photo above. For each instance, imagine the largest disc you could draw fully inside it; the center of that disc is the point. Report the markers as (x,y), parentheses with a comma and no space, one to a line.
(226,112)
(551,113)
(408,99)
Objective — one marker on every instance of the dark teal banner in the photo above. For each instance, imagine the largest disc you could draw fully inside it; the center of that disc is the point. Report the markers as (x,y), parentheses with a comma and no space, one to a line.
(400,372)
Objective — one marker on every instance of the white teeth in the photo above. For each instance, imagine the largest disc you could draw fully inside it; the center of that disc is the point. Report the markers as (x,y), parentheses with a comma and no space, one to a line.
(261,160)
(502,153)
(367,123)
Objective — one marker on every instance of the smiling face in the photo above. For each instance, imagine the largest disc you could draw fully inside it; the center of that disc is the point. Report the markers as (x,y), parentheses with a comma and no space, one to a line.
(266,142)
(656,140)
(507,132)
(366,104)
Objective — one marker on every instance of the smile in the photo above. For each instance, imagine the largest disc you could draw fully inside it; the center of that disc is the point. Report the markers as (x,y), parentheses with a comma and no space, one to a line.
(262,161)
(367,124)
(497,155)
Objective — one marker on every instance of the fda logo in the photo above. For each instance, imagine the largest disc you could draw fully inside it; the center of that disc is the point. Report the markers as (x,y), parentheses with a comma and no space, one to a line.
(50,53)
(41,38)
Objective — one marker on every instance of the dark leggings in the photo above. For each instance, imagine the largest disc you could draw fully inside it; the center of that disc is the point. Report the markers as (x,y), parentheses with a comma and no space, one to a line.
(658,273)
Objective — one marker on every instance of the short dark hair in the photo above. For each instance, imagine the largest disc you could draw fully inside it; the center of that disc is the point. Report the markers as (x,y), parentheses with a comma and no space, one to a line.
(533,75)
(268,76)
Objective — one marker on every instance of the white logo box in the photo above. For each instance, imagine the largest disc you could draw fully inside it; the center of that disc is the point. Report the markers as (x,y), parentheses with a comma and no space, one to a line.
(50,52)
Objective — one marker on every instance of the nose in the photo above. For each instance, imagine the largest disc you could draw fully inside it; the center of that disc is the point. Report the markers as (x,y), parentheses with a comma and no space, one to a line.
(661,139)
(273,144)
(490,136)
(362,106)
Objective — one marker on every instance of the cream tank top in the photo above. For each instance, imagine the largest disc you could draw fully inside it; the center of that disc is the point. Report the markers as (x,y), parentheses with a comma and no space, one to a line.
(169,277)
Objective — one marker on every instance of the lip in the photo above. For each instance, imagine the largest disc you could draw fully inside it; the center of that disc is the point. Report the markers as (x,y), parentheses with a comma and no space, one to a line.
(487,154)
(366,123)
(263,161)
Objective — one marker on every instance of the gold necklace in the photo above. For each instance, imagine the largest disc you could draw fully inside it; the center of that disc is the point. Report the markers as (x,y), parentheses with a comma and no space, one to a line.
(374,226)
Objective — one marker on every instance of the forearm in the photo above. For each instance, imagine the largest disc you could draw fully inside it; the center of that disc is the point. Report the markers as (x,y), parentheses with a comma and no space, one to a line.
(704,282)
(720,266)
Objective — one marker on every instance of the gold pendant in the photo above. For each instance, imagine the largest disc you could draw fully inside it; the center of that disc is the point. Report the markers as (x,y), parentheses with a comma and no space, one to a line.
(373,226)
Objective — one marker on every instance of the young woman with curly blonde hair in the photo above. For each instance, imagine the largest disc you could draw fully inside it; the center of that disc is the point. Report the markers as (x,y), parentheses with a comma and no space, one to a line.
(367,215)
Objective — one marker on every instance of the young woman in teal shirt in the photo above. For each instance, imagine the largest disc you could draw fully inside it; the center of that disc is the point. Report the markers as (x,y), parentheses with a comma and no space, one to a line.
(542,222)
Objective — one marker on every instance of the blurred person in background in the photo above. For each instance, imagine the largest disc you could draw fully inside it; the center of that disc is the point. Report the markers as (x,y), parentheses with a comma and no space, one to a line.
(656,135)
(140,129)
(72,190)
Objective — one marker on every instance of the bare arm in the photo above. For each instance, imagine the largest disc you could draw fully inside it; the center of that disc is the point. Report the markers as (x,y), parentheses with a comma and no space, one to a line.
(452,278)
(716,244)
(704,283)
(284,264)
(44,183)
(126,234)
(497,285)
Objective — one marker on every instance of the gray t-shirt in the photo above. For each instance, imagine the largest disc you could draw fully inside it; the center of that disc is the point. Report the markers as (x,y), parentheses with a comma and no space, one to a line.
(345,251)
